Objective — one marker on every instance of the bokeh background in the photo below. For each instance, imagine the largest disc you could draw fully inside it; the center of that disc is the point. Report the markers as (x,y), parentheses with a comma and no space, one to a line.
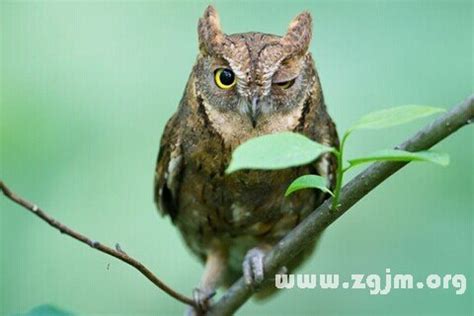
(87,87)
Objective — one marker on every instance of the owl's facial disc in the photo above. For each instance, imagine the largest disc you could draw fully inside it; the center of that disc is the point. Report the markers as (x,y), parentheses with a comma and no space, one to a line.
(253,75)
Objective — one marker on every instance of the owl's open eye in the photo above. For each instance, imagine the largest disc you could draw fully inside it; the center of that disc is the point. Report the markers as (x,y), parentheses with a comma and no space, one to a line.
(285,84)
(224,78)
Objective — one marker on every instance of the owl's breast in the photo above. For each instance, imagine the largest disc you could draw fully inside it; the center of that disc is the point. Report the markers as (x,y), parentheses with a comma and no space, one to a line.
(249,204)
(246,205)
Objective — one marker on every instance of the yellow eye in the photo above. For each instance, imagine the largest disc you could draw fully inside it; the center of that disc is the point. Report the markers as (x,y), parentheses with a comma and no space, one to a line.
(224,78)
(285,84)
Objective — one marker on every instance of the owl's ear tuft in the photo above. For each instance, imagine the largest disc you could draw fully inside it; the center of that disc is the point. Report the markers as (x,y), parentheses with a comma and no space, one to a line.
(297,38)
(210,33)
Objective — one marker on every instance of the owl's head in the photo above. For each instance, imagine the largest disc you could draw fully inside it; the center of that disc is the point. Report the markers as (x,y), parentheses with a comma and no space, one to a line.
(253,75)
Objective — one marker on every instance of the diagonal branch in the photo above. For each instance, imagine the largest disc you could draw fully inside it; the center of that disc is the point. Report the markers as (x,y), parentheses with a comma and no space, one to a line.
(352,192)
(117,252)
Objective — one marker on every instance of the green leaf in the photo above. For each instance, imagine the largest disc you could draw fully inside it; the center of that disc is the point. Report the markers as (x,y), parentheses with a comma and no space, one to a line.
(401,155)
(394,116)
(46,310)
(310,181)
(276,151)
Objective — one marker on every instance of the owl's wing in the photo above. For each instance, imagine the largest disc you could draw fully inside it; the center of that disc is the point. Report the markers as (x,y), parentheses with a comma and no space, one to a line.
(318,126)
(168,170)
(326,165)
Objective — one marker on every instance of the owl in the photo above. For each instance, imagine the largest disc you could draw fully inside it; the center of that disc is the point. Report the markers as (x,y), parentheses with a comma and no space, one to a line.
(241,86)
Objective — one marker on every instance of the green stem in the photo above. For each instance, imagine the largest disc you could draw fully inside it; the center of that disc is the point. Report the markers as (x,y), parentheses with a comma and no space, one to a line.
(340,172)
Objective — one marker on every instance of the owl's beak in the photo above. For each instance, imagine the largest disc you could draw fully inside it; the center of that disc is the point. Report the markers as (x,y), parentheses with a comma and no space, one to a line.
(253,111)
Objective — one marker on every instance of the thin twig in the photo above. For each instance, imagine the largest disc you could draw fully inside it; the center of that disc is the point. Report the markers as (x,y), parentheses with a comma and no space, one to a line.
(117,253)
(302,235)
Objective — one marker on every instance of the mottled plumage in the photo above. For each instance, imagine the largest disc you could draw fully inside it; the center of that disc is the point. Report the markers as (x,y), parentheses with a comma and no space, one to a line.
(221,217)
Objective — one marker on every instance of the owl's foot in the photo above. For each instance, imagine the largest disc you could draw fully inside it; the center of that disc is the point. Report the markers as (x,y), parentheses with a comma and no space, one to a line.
(253,267)
(202,299)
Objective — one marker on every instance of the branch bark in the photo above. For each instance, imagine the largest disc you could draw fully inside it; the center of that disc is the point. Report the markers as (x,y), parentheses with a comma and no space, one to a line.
(117,252)
(352,192)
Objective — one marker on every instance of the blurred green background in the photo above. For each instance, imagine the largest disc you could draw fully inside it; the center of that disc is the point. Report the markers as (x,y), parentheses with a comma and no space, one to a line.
(86,89)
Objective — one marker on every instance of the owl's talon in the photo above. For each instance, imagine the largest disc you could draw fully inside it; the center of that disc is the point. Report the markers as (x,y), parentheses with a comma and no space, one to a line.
(201,298)
(282,270)
(253,267)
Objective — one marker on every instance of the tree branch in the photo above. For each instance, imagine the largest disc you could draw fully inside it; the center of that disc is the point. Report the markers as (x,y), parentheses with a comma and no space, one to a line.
(117,252)
(301,235)
(352,192)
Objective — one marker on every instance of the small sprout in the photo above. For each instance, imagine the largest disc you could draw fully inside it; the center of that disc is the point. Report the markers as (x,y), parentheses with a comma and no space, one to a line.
(309,181)
(285,150)
(119,249)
